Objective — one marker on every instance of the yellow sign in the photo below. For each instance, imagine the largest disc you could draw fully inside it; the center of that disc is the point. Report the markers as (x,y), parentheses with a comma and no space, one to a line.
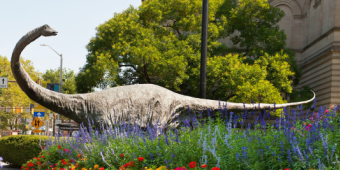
(17,109)
(37,131)
(38,107)
(37,123)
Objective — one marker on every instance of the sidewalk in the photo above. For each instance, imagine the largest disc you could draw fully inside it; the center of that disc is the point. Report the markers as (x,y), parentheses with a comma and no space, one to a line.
(7,167)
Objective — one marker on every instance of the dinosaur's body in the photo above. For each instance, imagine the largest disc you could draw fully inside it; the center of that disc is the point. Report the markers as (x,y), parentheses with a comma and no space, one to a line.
(148,102)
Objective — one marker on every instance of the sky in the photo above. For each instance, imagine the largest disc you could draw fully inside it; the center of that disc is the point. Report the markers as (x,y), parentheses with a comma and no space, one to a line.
(75,21)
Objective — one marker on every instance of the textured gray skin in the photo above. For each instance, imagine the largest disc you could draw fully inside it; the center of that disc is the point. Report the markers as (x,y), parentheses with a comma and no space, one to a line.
(146,102)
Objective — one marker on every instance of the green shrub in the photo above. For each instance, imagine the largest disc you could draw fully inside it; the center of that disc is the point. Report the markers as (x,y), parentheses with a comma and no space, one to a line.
(18,149)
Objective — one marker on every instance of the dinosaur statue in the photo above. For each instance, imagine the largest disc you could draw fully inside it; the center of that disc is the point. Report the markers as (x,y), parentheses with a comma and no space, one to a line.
(147,102)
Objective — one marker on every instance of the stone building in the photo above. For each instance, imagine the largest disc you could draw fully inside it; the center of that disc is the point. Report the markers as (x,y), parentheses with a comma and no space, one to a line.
(313,31)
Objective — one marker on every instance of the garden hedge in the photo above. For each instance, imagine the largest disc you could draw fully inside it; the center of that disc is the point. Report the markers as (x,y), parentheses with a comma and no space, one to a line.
(17,150)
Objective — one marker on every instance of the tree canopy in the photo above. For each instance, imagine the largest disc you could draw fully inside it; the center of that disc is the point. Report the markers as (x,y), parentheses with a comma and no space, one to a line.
(53,76)
(160,43)
(13,96)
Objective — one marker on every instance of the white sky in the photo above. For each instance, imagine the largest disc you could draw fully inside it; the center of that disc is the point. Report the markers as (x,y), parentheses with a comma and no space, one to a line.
(75,21)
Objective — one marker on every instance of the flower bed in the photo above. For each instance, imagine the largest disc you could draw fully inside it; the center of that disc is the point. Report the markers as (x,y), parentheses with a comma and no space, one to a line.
(290,143)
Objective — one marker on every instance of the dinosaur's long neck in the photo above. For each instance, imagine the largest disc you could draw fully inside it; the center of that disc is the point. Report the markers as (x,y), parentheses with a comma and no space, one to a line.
(56,102)
(22,78)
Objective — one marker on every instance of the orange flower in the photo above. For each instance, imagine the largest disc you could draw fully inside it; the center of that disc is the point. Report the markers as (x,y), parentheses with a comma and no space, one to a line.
(79,155)
(132,164)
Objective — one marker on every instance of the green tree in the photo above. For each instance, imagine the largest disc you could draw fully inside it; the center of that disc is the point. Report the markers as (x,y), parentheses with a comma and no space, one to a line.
(253,28)
(13,96)
(159,43)
(52,76)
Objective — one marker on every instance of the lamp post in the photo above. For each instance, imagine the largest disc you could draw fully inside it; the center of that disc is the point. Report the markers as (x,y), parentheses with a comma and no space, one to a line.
(204,48)
(61,66)
(60,80)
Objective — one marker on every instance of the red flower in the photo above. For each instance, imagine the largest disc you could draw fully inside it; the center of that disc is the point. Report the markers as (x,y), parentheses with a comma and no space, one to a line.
(27,169)
(59,146)
(203,166)
(192,164)
(140,159)
(215,168)
(71,160)
(42,156)
(43,147)
(62,168)
(102,168)
(79,155)
(287,169)
(64,163)
(63,160)
(32,169)
(121,155)
(38,159)
(126,165)
(38,163)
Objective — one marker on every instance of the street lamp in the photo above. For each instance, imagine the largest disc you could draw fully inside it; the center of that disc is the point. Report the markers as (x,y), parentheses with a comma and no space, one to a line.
(61,66)
(60,83)
(204,43)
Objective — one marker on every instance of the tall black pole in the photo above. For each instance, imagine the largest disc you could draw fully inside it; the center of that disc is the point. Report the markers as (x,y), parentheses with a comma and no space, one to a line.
(204,48)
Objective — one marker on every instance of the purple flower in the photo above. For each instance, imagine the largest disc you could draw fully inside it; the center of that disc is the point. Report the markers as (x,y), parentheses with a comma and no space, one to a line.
(289,157)
(173,155)
(166,140)
(151,156)
(245,152)
(237,156)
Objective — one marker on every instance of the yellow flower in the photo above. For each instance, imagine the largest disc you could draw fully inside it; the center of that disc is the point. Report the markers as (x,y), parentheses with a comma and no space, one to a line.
(83,169)
(90,168)
(162,168)
(96,166)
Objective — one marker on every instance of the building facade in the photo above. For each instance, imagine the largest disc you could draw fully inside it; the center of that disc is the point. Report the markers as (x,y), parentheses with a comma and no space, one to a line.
(313,31)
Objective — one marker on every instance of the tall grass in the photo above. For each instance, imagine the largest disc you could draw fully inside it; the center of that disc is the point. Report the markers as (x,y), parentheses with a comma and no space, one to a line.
(298,140)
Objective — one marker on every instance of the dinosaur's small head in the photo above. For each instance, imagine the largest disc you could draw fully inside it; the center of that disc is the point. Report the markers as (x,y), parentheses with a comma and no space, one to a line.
(48,31)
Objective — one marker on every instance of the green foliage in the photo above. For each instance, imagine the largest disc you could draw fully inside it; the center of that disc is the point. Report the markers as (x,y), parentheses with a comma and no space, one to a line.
(216,143)
(159,43)
(18,149)
(13,96)
(256,24)
(53,76)
(302,94)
